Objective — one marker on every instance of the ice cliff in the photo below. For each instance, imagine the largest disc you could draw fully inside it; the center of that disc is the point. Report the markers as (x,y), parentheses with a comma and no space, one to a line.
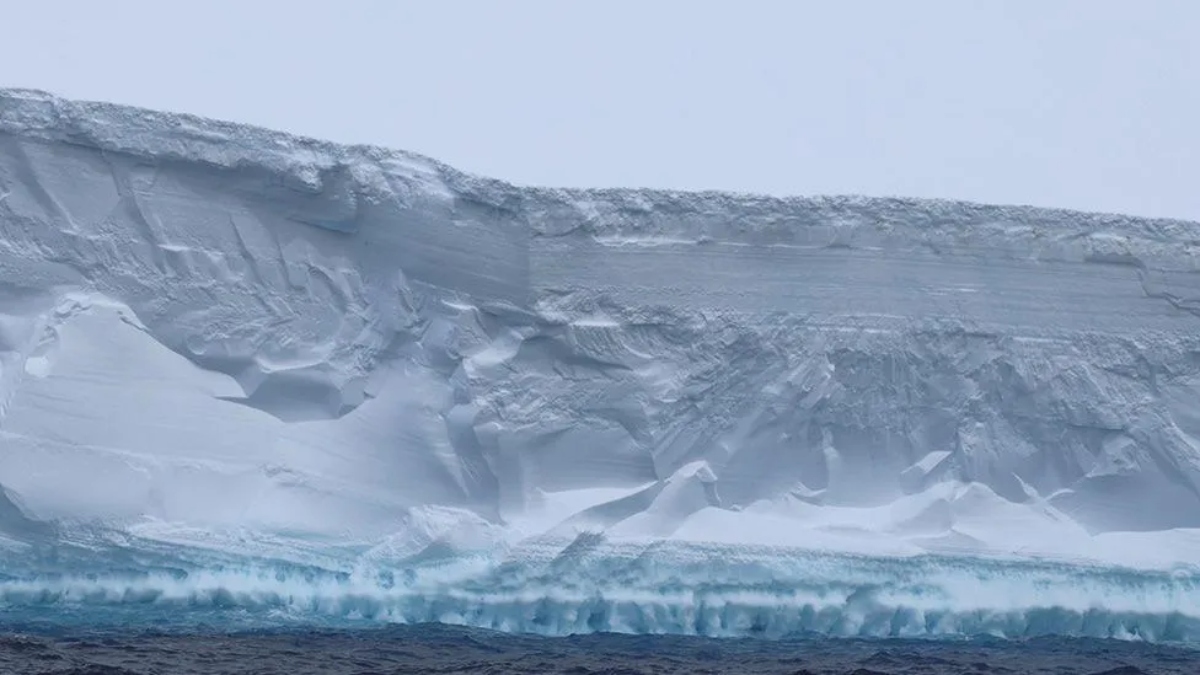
(209,328)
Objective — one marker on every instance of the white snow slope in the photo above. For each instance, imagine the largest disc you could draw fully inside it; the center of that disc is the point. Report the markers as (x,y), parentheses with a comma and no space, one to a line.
(235,340)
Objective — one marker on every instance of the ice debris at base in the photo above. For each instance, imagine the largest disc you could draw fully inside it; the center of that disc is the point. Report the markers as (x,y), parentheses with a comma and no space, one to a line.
(220,336)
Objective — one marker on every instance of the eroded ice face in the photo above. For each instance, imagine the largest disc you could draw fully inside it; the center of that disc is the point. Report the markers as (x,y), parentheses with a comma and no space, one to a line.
(224,339)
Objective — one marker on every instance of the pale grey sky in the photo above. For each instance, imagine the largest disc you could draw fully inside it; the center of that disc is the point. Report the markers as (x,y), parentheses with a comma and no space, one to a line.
(1090,104)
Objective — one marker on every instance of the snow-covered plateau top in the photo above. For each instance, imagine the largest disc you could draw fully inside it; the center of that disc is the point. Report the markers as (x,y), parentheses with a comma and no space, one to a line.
(208,327)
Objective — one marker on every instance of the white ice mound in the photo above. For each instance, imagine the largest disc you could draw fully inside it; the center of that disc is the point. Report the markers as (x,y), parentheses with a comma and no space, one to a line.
(207,327)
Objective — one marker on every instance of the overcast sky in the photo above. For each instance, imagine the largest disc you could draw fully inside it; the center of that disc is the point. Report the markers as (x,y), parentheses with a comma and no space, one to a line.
(1090,104)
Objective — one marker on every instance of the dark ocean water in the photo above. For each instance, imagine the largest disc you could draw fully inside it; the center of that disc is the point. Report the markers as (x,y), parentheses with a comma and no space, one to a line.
(443,649)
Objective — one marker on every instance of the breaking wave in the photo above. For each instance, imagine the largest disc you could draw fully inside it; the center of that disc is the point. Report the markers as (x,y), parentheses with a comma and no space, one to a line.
(592,586)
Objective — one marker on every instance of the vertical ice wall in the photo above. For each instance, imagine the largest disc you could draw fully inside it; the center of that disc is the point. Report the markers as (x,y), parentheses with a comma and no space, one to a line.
(213,324)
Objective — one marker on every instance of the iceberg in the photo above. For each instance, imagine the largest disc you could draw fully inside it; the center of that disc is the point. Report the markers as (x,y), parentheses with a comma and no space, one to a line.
(228,355)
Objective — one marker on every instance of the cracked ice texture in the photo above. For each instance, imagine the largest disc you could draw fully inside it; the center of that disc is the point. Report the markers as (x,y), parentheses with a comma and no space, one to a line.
(215,325)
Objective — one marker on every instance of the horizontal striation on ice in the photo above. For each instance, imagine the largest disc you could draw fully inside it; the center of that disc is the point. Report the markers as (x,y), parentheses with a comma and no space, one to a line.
(593,585)
(209,328)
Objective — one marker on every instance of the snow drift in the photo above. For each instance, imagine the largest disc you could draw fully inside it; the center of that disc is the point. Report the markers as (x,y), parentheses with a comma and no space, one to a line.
(220,336)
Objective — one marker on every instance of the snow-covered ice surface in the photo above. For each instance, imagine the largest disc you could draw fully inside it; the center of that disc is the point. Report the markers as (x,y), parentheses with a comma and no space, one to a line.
(240,368)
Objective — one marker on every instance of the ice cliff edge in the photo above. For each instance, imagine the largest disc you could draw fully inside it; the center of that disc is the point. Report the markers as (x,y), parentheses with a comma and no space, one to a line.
(213,325)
